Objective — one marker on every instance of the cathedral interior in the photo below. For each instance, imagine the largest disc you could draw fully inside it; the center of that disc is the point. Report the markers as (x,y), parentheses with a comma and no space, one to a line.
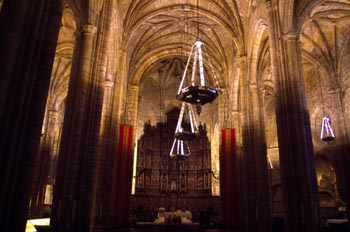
(89,108)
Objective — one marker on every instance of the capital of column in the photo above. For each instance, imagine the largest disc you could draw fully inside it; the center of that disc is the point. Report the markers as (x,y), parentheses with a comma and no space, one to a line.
(122,53)
(109,83)
(53,113)
(109,77)
(253,86)
(134,88)
(89,29)
(291,36)
(242,60)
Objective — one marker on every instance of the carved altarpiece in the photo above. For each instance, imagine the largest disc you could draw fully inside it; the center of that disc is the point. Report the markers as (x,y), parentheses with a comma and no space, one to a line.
(174,184)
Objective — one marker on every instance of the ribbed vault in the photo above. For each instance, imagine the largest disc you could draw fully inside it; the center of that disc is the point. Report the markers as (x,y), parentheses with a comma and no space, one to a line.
(157,30)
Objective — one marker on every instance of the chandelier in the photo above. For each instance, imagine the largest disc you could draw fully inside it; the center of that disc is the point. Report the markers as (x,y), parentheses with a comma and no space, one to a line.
(194,89)
(180,149)
(184,132)
(197,91)
(327,134)
(181,132)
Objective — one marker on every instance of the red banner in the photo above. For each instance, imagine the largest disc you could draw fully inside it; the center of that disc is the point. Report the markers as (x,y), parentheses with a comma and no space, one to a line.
(124,164)
(228,178)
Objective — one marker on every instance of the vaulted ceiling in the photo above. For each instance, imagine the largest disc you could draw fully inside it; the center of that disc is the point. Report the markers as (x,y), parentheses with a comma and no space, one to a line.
(157,30)
(158,34)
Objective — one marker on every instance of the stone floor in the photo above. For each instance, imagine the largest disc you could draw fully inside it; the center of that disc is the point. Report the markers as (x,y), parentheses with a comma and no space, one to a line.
(153,227)
(194,227)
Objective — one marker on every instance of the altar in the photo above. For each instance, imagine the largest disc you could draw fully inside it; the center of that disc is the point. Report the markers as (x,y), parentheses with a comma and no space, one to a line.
(187,215)
(163,217)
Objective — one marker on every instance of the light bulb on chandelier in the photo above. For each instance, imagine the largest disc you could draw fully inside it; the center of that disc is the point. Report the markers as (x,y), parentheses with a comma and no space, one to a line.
(180,149)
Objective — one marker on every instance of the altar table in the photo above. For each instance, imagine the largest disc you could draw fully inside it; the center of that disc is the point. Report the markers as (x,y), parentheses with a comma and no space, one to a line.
(187,215)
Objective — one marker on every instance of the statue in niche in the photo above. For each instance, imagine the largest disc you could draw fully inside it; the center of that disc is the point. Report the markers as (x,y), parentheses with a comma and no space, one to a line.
(173,185)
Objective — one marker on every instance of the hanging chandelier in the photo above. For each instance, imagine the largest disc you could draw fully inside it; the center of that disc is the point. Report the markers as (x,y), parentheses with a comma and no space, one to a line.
(327,133)
(197,92)
(193,89)
(180,149)
(184,132)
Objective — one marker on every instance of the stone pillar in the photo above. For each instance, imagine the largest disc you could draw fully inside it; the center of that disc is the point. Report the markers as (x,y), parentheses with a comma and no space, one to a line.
(112,116)
(255,179)
(298,173)
(224,110)
(25,70)
(119,179)
(107,146)
(132,105)
(44,159)
(76,165)
(122,84)
(107,129)
(262,196)
(241,154)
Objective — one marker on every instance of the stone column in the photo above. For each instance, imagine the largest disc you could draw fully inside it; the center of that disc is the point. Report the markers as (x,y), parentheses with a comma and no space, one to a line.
(113,117)
(106,130)
(298,173)
(78,150)
(122,83)
(224,110)
(254,182)
(241,139)
(25,70)
(44,158)
(132,105)
(259,154)
(221,122)
(107,143)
